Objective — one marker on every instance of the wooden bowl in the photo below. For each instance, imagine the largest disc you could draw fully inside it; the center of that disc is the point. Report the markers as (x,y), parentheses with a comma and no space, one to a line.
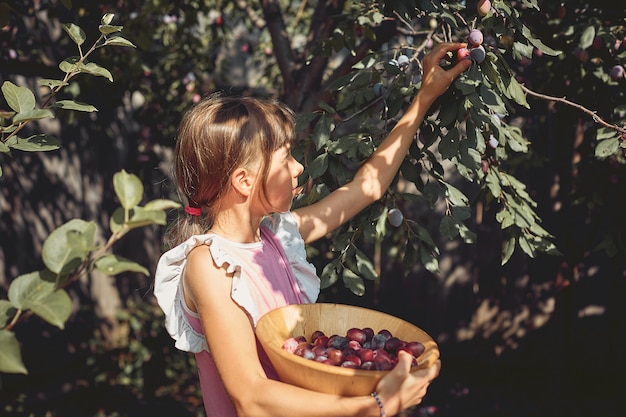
(303,319)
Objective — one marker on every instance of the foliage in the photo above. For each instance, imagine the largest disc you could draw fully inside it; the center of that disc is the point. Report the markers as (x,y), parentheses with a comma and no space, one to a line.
(72,250)
(337,66)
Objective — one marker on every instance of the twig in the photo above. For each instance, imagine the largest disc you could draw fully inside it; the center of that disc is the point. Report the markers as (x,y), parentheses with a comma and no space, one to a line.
(593,115)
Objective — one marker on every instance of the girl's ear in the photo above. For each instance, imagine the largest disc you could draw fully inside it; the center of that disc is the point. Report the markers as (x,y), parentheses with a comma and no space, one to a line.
(242,181)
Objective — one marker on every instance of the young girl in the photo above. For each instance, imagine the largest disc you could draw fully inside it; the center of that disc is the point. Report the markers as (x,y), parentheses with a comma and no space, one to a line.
(239,251)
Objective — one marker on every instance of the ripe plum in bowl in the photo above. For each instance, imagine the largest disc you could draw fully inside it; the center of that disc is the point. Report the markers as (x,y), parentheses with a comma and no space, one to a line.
(298,320)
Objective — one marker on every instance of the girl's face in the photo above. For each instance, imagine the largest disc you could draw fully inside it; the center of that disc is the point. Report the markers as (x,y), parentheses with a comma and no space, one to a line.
(282,181)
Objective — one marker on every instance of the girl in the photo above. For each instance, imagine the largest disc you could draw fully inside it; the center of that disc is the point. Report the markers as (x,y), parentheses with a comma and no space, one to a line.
(239,252)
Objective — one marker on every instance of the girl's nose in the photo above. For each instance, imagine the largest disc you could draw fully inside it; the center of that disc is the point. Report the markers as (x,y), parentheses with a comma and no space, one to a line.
(299,168)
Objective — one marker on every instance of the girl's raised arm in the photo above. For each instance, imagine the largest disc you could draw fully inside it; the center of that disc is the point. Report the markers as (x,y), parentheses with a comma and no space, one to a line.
(376,174)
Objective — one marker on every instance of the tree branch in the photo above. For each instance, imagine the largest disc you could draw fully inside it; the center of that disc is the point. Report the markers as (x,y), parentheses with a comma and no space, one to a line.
(280,40)
(593,114)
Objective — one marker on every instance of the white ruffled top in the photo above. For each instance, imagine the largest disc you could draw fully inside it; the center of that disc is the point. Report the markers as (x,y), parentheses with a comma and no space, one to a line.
(168,289)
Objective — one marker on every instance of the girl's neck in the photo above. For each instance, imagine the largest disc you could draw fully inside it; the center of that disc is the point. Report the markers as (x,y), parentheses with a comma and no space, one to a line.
(241,229)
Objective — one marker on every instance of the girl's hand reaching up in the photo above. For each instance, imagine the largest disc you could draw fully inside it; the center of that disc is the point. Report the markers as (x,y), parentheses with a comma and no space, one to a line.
(436,80)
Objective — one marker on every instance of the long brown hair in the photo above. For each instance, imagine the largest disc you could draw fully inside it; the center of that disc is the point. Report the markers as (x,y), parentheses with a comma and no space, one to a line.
(216,136)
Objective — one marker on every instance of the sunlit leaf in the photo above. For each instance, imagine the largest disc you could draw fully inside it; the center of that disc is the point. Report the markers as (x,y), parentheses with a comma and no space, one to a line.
(55,308)
(33,114)
(455,195)
(75,32)
(161,204)
(51,83)
(108,29)
(20,99)
(36,143)
(74,105)
(587,37)
(508,247)
(107,18)
(607,147)
(140,217)
(97,70)
(114,264)
(429,261)
(10,354)
(119,41)
(128,188)
(32,286)
(69,245)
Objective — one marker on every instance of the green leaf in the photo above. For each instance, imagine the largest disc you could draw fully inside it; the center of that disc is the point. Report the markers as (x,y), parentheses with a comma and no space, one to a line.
(114,264)
(448,113)
(607,147)
(429,261)
(410,256)
(364,265)
(128,188)
(70,65)
(119,41)
(51,83)
(448,227)
(537,43)
(455,195)
(525,245)
(73,65)
(138,217)
(516,141)
(353,282)
(74,105)
(68,246)
(108,29)
(321,132)
(32,286)
(7,311)
(36,143)
(422,233)
(523,49)
(461,213)
(97,70)
(75,32)
(55,308)
(318,166)
(329,275)
(508,247)
(586,38)
(33,114)
(450,144)
(493,183)
(20,99)
(10,355)
(116,222)
(161,204)
(516,93)
(505,218)
(107,18)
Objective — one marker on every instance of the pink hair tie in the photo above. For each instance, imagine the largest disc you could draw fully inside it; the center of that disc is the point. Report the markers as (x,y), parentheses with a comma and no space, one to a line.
(193,211)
